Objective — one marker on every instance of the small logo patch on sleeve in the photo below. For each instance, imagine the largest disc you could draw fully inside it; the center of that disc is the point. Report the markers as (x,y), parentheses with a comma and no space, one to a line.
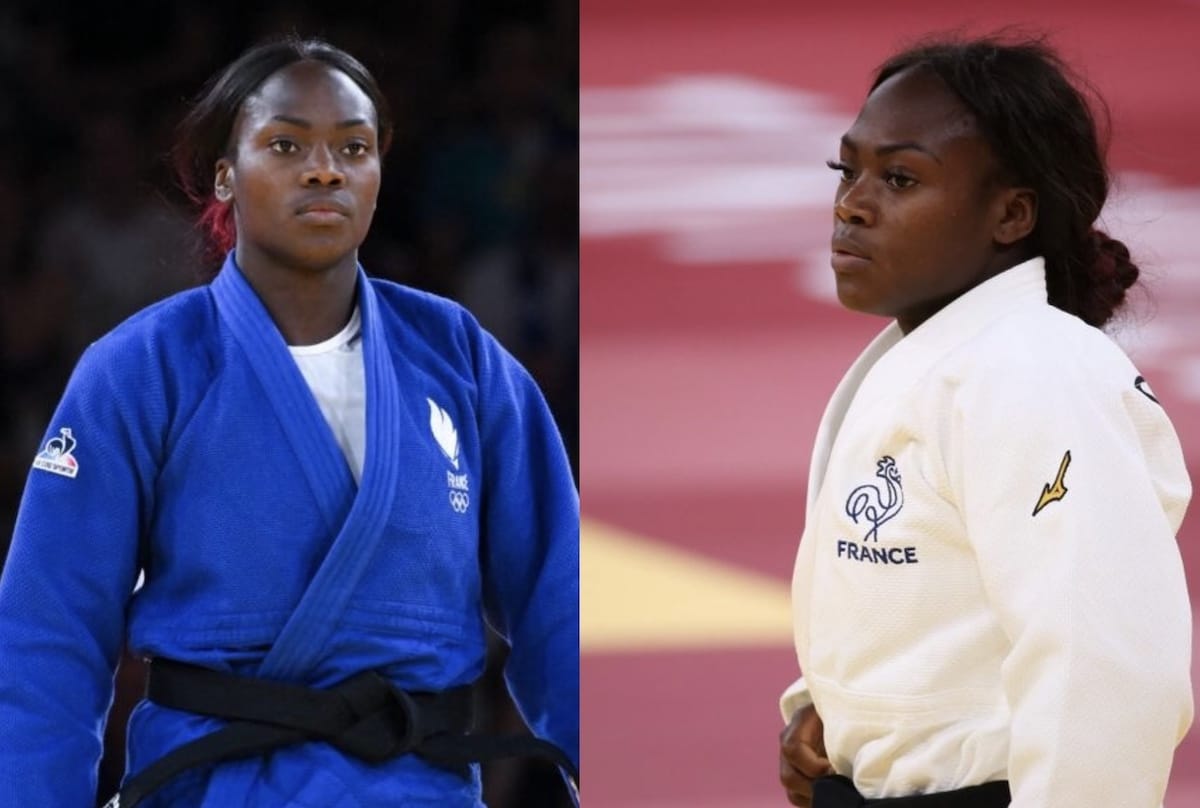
(1053,492)
(56,456)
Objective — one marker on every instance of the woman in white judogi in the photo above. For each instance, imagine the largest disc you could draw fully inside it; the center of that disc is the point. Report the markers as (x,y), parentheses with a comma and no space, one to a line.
(989,601)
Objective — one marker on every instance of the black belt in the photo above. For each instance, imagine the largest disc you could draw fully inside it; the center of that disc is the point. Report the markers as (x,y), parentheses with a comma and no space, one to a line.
(365,716)
(836,791)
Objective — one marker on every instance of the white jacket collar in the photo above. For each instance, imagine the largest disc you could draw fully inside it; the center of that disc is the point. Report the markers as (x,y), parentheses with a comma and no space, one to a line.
(968,314)
(894,360)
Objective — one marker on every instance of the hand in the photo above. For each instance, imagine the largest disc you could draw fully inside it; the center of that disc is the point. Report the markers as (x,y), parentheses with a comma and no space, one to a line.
(802,755)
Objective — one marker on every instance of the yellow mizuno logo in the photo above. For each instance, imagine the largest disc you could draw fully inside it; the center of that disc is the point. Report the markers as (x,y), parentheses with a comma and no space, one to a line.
(1057,490)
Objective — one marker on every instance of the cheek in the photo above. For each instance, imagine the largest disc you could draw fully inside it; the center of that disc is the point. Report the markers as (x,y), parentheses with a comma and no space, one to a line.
(256,221)
(932,229)
(941,247)
(367,195)
(256,195)
(370,182)
(920,236)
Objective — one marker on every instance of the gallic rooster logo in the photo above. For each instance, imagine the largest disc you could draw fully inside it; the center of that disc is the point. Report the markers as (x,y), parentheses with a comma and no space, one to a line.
(868,502)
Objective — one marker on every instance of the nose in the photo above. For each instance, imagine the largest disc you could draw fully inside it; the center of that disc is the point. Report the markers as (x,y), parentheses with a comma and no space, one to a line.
(322,168)
(853,204)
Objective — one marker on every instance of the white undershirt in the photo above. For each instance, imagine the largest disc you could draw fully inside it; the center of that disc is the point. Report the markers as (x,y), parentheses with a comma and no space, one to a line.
(334,372)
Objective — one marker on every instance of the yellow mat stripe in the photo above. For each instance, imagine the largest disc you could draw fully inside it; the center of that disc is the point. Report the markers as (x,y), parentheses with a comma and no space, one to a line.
(637,594)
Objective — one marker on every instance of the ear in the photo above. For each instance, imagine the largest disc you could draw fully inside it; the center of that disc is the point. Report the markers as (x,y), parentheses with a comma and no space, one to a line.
(223,184)
(1017,215)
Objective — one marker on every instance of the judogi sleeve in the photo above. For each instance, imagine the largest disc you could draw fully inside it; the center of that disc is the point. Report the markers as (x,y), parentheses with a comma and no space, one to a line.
(530,546)
(796,697)
(70,570)
(1072,485)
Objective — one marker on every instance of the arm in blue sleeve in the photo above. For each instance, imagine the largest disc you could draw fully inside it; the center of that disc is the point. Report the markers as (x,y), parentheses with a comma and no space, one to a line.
(530,546)
(64,588)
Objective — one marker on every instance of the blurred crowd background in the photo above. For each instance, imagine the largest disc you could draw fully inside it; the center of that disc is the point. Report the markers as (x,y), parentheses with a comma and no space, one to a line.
(479,199)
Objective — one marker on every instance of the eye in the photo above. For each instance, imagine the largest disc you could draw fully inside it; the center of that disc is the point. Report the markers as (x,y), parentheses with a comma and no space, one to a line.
(899,181)
(283,146)
(356,149)
(847,172)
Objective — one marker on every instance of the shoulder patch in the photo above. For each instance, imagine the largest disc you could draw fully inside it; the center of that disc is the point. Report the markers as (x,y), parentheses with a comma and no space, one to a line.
(56,458)
(1053,492)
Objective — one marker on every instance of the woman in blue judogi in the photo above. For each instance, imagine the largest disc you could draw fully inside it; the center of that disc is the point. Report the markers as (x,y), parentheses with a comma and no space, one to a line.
(329,484)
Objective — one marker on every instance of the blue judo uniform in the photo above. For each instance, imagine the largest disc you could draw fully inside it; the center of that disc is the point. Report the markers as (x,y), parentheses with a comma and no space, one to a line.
(187,444)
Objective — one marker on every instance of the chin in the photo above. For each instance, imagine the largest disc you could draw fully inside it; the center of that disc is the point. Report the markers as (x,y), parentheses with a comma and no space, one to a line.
(854,298)
(313,260)
(320,256)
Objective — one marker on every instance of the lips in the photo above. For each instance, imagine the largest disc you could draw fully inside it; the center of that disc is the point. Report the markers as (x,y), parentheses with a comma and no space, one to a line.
(843,245)
(324,207)
(848,256)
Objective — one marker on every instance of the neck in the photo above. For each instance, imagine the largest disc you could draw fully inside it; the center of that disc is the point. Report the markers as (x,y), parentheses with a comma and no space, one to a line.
(308,305)
(998,262)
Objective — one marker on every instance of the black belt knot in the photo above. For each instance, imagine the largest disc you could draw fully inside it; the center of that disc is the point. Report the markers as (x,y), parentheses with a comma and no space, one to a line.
(378,721)
(365,716)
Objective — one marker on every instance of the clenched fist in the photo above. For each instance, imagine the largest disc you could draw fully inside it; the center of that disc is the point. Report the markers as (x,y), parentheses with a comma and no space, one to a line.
(802,755)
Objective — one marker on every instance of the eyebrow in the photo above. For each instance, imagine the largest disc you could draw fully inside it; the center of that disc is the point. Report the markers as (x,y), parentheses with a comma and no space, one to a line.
(891,148)
(304,124)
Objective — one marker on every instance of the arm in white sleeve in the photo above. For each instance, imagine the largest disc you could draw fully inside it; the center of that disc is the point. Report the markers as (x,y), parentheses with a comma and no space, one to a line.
(796,697)
(1089,589)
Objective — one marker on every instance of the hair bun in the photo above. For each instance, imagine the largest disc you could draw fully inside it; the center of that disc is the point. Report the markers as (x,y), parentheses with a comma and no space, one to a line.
(1109,274)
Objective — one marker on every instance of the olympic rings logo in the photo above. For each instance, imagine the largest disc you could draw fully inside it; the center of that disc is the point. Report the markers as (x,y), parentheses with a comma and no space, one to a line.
(459,500)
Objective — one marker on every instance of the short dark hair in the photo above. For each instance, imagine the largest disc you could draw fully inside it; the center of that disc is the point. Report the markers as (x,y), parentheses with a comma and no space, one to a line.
(205,132)
(1040,120)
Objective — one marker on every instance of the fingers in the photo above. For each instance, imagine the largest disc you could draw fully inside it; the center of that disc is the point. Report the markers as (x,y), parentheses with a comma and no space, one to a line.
(810,730)
(802,756)
(802,744)
(801,798)
(795,783)
(808,762)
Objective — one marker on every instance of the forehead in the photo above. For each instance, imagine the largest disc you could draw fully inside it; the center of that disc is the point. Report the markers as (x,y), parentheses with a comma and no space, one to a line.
(309,90)
(914,105)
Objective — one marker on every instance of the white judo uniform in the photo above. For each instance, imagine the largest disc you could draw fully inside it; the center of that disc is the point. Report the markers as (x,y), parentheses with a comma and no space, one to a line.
(988,585)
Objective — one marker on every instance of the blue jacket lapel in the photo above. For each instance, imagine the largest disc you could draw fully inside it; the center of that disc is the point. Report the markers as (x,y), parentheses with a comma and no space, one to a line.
(359,526)
(318,615)
(317,453)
